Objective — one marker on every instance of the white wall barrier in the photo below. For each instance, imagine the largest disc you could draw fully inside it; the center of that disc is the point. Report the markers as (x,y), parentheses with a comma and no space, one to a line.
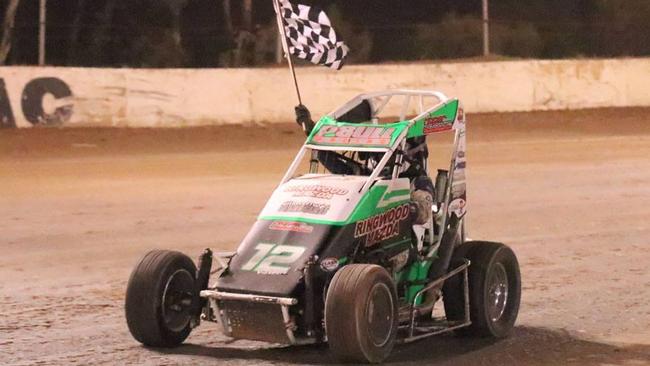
(153,98)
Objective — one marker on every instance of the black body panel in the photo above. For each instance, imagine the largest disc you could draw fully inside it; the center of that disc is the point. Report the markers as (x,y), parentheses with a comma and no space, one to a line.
(272,257)
(268,246)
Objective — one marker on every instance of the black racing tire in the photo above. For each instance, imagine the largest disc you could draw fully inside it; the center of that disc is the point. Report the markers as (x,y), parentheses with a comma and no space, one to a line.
(361,314)
(494,290)
(160,297)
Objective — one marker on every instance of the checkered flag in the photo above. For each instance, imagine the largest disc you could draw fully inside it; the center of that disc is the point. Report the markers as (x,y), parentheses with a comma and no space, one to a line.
(310,35)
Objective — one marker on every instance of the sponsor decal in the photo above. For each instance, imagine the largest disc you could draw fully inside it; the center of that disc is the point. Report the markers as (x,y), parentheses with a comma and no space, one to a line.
(32,103)
(383,226)
(437,124)
(351,135)
(316,191)
(305,207)
(273,259)
(329,264)
(298,227)
(457,206)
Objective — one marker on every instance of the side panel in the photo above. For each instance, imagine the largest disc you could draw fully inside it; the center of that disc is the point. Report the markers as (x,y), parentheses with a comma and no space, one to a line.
(439,120)
(458,200)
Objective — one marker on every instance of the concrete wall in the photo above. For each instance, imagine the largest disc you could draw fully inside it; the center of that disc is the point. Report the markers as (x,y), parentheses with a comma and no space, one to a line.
(127,97)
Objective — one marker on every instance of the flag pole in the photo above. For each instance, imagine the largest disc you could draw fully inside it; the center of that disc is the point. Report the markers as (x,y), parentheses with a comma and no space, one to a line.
(285,47)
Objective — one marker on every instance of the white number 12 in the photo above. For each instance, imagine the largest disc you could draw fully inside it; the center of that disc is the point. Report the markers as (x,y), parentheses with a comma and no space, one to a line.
(273,258)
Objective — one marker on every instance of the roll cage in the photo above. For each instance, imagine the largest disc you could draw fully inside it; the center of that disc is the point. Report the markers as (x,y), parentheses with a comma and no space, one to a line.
(443,115)
(380,100)
(405,127)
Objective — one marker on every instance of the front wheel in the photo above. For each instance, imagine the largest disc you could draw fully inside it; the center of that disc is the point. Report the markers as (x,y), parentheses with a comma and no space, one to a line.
(160,297)
(361,314)
(494,290)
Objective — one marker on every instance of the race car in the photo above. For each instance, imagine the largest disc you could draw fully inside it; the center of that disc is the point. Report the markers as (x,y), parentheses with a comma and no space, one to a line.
(338,255)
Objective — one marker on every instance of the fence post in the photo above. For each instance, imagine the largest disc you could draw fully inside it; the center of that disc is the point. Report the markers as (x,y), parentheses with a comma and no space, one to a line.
(486,29)
(41,32)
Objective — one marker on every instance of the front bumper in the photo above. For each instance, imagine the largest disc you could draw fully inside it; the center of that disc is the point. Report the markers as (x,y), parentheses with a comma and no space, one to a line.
(253,317)
(219,295)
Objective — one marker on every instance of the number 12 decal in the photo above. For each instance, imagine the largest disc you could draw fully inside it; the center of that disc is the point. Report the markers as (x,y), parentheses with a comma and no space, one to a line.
(273,258)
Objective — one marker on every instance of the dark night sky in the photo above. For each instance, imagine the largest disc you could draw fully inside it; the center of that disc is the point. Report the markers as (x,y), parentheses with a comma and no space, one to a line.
(381,12)
(136,28)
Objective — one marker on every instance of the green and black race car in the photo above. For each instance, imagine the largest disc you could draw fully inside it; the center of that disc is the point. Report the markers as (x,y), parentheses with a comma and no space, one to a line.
(340,258)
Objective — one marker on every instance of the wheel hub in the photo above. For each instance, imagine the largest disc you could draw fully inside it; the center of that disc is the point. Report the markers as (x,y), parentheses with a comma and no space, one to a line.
(380,314)
(177,300)
(497,292)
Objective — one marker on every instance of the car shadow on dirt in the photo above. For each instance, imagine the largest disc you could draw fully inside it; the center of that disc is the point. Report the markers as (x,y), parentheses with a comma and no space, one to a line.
(527,346)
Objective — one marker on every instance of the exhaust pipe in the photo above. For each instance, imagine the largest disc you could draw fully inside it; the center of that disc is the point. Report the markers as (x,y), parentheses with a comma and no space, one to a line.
(440,265)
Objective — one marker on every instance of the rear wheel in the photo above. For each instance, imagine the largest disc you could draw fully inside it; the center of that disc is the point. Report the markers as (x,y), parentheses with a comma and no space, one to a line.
(494,290)
(361,313)
(160,297)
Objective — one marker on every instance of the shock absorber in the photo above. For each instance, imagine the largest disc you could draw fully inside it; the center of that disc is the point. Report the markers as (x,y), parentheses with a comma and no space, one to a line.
(202,282)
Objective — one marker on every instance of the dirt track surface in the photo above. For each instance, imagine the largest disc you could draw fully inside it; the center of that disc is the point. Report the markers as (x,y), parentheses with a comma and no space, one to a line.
(569,191)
